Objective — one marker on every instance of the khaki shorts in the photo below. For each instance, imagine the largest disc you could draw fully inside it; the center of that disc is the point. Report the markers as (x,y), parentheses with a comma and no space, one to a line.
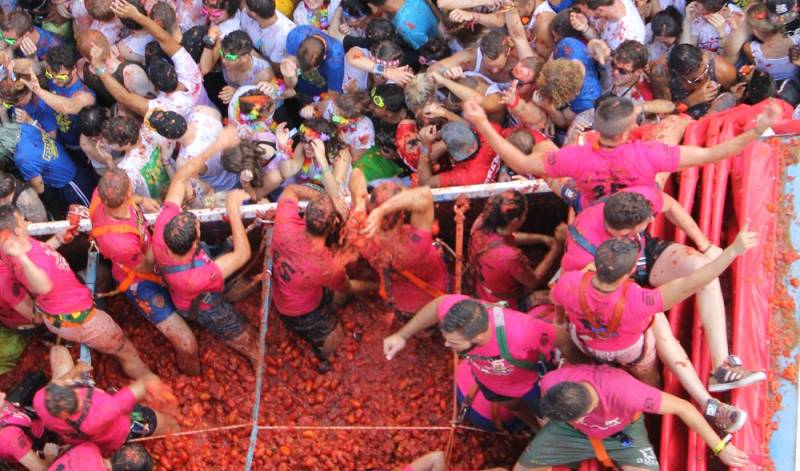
(99,332)
(636,359)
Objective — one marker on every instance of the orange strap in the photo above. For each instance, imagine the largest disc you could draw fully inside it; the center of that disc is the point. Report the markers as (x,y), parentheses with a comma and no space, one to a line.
(114,229)
(598,330)
(131,275)
(414,279)
(600,450)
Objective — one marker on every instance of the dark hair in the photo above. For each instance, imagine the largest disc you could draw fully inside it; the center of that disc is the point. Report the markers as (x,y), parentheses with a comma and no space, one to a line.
(356,8)
(59,56)
(377,3)
(394,99)
(632,52)
(122,130)
(192,41)
(615,258)
(162,73)
(383,193)
(523,140)
(468,81)
(113,188)
(8,220)
(712,6)
(59,399)
(379,29)
(245,156)
(8,184)
(264,9)
(626,209)
(761,86)
(493,45)
(334,144)
(18,21)
(503,208)
(164,14)
(320,215)
(130,24)
(168,124)
(595,4)
(180,233)
(352,105)
(668,23)
(12,91)
(561,26)
(684,59)
(388,51)
(100,10)
(468,318)
(91,120)
(435,49)
(566,402)
(230,6)
(612,117)
(464,33)
(131,457)
(311,53)
(237,42)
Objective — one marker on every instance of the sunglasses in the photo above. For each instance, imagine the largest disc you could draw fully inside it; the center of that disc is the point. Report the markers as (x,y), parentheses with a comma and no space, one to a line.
(699,77)
(9,41)
(59,77)
(213,12)
(229,56)
(377,99)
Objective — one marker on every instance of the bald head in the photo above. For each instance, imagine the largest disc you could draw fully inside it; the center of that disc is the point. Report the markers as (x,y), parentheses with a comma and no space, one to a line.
(90,38)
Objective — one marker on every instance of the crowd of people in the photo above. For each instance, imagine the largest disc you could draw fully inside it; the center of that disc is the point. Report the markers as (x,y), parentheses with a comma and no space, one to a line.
(347,113)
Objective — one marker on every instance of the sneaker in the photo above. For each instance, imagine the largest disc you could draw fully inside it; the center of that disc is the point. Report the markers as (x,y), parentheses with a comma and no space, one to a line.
(725,417)
(732,375)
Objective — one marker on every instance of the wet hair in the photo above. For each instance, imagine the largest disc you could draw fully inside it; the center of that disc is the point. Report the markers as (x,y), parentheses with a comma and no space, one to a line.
(245,156)
(388,51)
(59,399)
(435,49)
(712,6)
(560,25)
(131,457)
(381,194)
(334,144)
(613,117)
(385,140)
(632,52)
(113,188)
(8,184)
(393,96)
(667,23)
(468,318)
(265,9)
(501,209)
(121,130)
(493,45)
(311,52)
(595,4)
(180,233)
(684,59)
(320,215)
(12,91)
(603,98)
(164,14)
(18,21)
(100,10)
(162,73)
(230,6)
(419,91)
(130,24)
(566,402)
(192,41)
(626,209)
(8,220)
(560,80)
(352,105)
(468,81)
(237,42)
(356,8)
(90,38)
(758,19)
(380,29)
(615,258)
(760,87)
(91,120)
(523,140)
(59,56)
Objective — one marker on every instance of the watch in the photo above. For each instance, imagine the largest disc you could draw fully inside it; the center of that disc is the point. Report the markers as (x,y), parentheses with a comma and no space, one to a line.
(378,69)
(209,42)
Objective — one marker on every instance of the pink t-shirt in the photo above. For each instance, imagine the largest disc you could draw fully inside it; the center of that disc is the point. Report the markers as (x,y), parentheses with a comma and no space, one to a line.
(591,224)
(480,404)
(68,294)
(301,269)
(107,423)
(83,457)
(602,172)
(527,338)
(621,397)
(14,442)
(122,248)
(640,306)
(186,285)
(412,250)
(11,294)
(498,268)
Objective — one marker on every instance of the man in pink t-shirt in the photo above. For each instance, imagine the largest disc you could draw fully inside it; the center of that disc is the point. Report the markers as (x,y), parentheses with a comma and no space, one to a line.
(196,281)
(16,307)
(65,304)
(615,163)
(88,457)
(507,350)
(596,412)
(626,215)
(16,432)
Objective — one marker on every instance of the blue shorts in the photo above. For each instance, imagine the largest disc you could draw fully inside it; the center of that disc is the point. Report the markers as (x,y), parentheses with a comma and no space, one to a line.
(151,300)
(478,420)
(530,398)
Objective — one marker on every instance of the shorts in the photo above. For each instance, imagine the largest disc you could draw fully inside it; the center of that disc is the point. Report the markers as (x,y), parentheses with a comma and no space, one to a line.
(531,398)
(638,358)
(99,332)
(473,417)
(653,248)
(220,317)
(315,326)
(143,422)
(152,300)
(559,444)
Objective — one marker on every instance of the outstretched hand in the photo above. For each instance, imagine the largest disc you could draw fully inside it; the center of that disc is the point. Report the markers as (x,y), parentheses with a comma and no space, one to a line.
(123,9)
(745,240)
(771,114)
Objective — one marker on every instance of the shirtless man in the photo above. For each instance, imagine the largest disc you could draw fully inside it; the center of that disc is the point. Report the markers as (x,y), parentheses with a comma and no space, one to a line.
(493,60)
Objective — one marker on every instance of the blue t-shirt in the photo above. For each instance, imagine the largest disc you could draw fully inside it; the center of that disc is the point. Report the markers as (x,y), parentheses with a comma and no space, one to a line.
(416,23)
(45,42)
(37,154)
(330,74)
(37,109)
(571,48)
(69,133)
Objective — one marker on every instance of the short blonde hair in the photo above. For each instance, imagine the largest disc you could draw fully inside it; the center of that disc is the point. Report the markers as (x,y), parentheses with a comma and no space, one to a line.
(419,91)
(560,81)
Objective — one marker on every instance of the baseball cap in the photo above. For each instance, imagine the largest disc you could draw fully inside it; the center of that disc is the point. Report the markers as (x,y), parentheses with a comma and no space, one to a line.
(782,12)
(167,123)
(460,140)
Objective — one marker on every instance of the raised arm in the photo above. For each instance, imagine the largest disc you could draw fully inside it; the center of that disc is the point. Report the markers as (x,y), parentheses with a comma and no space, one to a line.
(39,281)
(167,42)
(677,215)
(418,201)
(517,32)
(232,261)
(490,103)
(425,318)
(60,104)
(137,104)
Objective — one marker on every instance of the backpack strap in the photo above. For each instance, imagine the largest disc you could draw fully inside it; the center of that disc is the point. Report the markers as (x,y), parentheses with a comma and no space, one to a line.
(502,343)
(581,240)
(194,263)
(599,330)
(76,424)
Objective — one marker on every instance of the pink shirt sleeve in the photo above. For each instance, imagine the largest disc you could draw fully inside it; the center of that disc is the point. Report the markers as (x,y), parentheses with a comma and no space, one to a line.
(11,291)
(125,400)
(633,395)
(14,443)
(563,162)
(665,157)
(642,304)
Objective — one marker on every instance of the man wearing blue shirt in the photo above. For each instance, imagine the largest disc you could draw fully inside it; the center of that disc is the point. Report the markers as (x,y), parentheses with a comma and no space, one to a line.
(413,19)
(314,62)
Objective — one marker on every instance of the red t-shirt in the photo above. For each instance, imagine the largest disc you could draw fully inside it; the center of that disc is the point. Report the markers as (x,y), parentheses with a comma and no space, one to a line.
(14,442)
(527,338)
(482,168)
(621,397)
(591,224)
(641,305)
(498,268)
(599,172)
(301,269)
(83,457)
(11,294)
(122,248)
(186,285)
(107,423)
(68,293)
(407,143)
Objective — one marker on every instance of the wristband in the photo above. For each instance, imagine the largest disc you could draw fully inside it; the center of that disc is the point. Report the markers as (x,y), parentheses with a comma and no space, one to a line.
(721,445)
(100,71)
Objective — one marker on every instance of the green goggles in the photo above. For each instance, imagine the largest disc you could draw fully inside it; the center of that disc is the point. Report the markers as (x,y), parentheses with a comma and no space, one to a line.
(228,56)
(377,99)
(7,105)
(9,41)
(59,77)
(339,120)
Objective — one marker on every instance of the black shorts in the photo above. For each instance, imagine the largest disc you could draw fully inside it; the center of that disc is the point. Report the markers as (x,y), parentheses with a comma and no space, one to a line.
(220,318)
(532,398)
(143,422)
(653,248)
(314,327)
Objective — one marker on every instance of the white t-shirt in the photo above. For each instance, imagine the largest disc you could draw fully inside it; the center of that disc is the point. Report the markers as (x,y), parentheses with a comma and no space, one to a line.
(706,36)
(270,41)
(359,134)
(657,49)
(353,74)
(207,130)
(231,24)
(615,33)
(302,16)
(146,163)
(190,14)
(179,101)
